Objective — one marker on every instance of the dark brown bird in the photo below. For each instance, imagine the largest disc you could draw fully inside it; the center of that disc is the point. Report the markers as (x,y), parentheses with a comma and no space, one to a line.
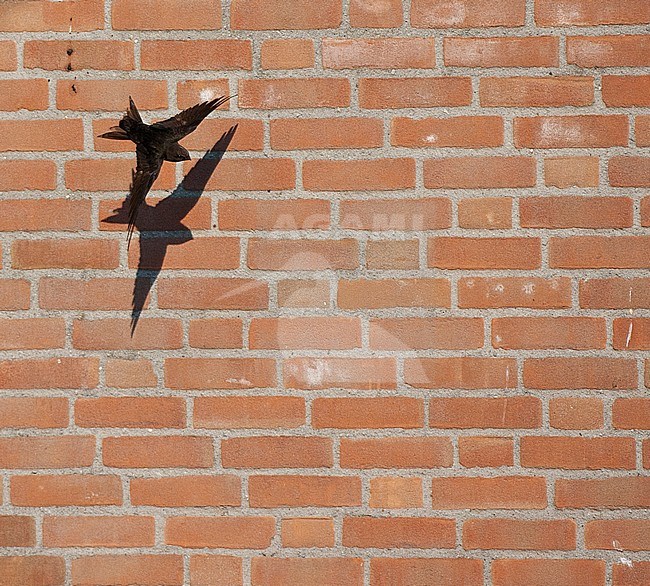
(156,143)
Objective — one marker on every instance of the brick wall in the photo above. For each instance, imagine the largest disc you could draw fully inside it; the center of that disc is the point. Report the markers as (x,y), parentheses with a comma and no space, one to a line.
(396,336)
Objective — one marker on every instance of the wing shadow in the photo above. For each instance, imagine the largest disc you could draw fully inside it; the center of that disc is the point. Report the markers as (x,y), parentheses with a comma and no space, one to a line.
(161,226)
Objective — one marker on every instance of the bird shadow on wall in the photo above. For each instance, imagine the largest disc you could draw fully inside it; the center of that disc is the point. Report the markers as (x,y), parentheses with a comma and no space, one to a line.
(161,226)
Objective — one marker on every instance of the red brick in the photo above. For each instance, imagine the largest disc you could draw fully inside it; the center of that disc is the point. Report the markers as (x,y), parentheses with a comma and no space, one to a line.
(257,174)
(631,413)
(76,55)
(498,492)
(479,172)
(485,451)
(49,490)
(304,491)
(431,213)
(397,452)
(362,413)
(216,570)
(290,214)
(277,452)
(23,94)
(187,491)
(216,333)
(426,571)
(553,132)
(287,53)
(603,493)
(17,531)
(531,292)
(110,95)
(575,413)
(308,532)
(399,532)
(519,534)
(129,374)
(44,214)
(41,135)
(370,14)
(579,373)
(328,571)
(578,453)
(502,52)
(302,255)
(191,91)
(393,254)
(600,252)
(96,531)
(326,133)
(212,293)
(384,293)
(618,534)
(638,575)
(631,333)
(141,569)
(14,294)
(564,172)
(8,58)
(301,333)
(467,13)
(150,219)
(249,135)
(342,373)
(586,13)
(269,94)
(147,412)
(303,293)
(249,412)
(384,53)
(196,55)
(527,333)
(642,130)
(518,412)
(222,532)
(615,293)
(626,91)
(115,334)
(538,572)
(609,51)
(575,212)
(109,175)
(27,175)
(283,15)
(414,92)
(395,493)
(363,175)
(38,412)
(490,213)
(484,253)
(93,294)
(70,451)
(645,212)
(43,570)
(209,253)
(219,373)
(32,333)
(49,373)
(460,373)
(65,253)
(167,15)
(158,452)
(43,15)
(416,333)
(541,92)
(458,131)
